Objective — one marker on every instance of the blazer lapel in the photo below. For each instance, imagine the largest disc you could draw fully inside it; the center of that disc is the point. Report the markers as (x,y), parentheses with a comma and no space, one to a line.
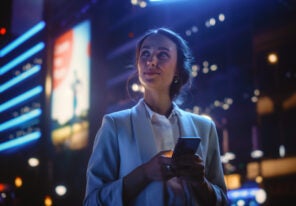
(143,132)
(187,127)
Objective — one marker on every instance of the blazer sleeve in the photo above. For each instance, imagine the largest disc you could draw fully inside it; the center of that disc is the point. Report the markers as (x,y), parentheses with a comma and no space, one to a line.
(103,184)
(214,170)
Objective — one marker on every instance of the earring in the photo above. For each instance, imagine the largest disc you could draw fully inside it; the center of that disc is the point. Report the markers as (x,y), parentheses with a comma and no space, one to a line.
(176,80)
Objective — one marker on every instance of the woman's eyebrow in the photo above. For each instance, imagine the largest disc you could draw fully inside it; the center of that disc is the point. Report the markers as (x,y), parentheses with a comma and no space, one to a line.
(159,48)
(145,47)
(163,48)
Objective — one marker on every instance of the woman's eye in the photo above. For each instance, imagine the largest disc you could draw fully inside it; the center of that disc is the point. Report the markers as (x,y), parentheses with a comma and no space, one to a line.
(145,54)
(163,55)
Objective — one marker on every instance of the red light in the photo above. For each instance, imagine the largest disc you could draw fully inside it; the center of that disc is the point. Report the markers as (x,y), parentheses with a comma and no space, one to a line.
(131,35)
(2,30)
(2,187)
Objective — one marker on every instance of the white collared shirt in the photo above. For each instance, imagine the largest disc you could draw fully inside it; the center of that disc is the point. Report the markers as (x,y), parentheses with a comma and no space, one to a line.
(165,129)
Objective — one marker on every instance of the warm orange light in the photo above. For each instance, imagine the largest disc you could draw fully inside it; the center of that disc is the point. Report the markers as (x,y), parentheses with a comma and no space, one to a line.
(47,201)
(259,179)
(233,181)
(18,182)
(265,105)
(290,102)
(272,58)
(168,154)
(266,169)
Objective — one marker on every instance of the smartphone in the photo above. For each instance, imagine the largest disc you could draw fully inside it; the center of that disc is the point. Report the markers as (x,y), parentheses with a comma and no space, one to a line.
(186,145)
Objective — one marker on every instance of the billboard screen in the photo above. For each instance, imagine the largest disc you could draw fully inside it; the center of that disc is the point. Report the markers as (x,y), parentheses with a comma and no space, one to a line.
(71,88)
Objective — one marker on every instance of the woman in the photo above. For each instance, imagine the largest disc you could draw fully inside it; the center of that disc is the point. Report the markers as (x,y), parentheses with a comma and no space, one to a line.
(130,163)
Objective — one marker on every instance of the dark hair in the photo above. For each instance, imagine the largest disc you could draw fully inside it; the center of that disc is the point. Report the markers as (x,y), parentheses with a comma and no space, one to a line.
(184,58)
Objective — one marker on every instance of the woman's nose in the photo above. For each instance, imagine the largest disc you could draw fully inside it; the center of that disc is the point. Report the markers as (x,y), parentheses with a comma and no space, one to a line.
(152,61)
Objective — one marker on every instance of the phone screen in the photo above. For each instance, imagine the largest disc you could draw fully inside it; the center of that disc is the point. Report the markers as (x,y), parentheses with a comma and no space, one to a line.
(186,145)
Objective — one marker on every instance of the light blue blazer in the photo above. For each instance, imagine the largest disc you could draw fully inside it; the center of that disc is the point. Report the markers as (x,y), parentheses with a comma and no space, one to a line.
(125,141)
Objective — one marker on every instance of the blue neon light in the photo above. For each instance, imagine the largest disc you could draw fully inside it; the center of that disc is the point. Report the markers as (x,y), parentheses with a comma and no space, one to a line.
(27,35)
(20,141)
(19,78)
(38,47)
(242,193)
(19,99)
(21,119)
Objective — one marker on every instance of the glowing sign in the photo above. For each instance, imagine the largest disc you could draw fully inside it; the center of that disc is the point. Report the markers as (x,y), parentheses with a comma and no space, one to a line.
(21,98)
(20,141)
(20,119)
(19,78)
(27,35)
(29,53)
(71,82)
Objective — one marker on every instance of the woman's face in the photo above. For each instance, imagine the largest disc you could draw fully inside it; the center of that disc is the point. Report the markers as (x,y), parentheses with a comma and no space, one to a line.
(157,63)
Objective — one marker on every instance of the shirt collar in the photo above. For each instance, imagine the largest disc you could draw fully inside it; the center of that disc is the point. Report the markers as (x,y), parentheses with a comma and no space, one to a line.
(150,113)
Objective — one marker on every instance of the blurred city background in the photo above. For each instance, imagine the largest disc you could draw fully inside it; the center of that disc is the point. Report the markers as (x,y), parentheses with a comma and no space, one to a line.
(64,64)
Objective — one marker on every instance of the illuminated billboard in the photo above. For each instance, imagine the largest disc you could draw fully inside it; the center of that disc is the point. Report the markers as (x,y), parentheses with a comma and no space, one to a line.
(71,88)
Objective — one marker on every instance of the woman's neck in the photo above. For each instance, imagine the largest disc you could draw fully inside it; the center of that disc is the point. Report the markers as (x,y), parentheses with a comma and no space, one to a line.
(158,103)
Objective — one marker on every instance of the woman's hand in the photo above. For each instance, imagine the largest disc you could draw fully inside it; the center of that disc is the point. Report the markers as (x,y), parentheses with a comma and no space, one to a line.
(191,168)
(160,167)
(157,169)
